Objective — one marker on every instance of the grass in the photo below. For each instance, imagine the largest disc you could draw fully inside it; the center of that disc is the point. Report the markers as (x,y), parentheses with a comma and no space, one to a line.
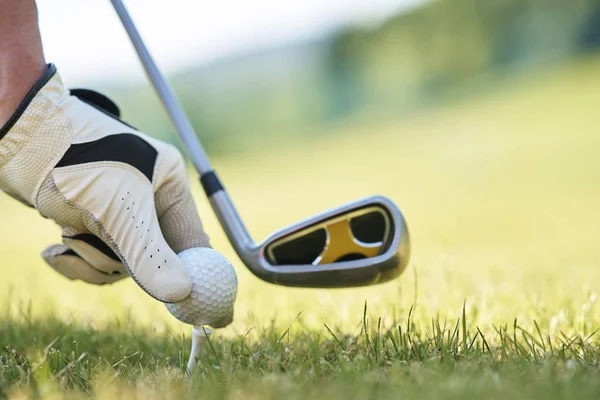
(128,361)
(499,300)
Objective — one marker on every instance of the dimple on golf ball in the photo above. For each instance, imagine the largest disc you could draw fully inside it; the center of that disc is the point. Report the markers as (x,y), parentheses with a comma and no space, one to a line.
(214,289)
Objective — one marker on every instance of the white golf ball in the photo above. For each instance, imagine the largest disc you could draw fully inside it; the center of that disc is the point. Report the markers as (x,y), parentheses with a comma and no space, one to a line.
(214,289)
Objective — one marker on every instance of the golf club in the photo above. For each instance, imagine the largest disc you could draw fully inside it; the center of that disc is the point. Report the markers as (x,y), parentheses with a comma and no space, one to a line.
(357,244)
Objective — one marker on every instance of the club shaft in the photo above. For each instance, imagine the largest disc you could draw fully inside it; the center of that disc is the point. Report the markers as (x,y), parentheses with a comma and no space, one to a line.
(182,125)
(224,209)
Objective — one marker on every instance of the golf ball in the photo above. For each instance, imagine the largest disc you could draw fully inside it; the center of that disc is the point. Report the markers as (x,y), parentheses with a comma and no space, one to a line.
(214,289)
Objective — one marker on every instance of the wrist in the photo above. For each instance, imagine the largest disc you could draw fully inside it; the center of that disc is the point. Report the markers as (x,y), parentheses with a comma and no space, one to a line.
(16,81)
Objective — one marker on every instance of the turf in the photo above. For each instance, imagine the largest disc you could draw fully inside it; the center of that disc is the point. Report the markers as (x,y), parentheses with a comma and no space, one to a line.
(499,301)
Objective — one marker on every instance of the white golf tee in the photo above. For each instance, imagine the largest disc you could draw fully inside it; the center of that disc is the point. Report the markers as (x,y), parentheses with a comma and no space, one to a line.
(200,336)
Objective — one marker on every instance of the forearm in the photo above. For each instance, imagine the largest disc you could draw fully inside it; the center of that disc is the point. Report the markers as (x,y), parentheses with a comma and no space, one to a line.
(21,55)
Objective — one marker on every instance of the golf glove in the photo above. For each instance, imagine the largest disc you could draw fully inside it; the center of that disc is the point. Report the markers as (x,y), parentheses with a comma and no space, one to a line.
(122,198)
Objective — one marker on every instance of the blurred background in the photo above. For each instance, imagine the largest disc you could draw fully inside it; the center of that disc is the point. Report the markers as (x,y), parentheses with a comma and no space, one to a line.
(261,70)
(478,118)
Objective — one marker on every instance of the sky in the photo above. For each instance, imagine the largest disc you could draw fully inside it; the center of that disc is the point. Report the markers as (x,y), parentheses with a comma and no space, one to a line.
(85,39)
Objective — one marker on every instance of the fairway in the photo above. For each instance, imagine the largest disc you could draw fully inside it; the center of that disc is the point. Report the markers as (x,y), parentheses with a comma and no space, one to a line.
(500,192)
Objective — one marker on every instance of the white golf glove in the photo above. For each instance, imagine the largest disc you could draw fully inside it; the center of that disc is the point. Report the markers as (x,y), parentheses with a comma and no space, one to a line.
(122,198)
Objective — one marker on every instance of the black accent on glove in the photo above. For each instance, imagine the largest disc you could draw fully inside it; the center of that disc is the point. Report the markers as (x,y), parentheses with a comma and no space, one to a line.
(126,148)
(95,242)
(98,99)
(101,103)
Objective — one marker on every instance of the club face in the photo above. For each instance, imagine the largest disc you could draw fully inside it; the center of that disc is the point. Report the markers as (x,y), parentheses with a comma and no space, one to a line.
(350,235)
(358,244)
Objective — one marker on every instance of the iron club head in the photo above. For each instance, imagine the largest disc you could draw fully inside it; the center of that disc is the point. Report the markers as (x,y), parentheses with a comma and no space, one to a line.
(361,243)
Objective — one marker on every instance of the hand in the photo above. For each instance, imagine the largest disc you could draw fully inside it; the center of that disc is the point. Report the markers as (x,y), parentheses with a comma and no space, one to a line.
(122,198)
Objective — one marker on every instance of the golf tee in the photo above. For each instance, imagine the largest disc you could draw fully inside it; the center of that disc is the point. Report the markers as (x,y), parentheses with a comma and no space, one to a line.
(200,336)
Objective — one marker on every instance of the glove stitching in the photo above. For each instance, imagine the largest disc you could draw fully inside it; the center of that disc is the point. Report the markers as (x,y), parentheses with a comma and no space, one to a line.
(106,259)
(50,166)
(102,164)
(102,135)
(170,176)
(175,201)
(90,265)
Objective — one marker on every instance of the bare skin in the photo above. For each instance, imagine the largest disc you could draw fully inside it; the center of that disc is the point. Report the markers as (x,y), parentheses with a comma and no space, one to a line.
(22,60)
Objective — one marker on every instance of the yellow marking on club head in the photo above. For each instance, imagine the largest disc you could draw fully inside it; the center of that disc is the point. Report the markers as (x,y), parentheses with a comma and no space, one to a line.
(342,242)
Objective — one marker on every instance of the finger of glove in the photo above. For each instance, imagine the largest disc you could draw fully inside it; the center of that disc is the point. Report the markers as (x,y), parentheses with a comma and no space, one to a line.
(175,206)
(69,264)
(94,251)
(118,197)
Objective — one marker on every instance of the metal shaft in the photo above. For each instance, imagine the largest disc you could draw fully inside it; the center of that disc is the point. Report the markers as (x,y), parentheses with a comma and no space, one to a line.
(166,94)
(221,203)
